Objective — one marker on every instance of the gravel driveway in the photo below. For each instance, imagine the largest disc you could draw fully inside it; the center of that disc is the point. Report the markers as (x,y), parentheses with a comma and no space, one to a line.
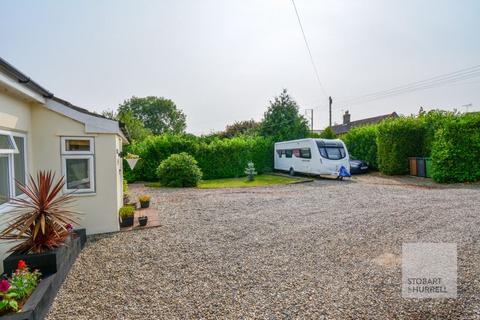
(320,250)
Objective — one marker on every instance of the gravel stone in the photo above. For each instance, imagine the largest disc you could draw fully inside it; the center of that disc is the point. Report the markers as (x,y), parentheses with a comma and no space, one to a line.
(321,250)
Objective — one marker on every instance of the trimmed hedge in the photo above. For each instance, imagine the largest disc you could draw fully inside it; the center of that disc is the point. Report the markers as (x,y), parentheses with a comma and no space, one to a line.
(397,140)
(456,150)
(217,158)
(362,144)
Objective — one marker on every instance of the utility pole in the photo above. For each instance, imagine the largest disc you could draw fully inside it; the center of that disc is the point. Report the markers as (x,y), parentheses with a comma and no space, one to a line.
(330,111)
(311,118)
(466,106)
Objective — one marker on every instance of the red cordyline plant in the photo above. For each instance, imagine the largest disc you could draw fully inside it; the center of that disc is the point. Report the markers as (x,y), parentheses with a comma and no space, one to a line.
(40,220)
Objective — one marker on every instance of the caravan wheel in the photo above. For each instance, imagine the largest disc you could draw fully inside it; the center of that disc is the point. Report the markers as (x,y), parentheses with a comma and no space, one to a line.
(291,172)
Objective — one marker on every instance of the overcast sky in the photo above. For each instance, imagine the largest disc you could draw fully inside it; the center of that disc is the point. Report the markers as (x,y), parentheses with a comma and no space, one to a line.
(223,60)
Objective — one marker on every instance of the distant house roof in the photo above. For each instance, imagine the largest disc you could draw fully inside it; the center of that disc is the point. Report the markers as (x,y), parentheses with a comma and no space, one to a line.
(347,124)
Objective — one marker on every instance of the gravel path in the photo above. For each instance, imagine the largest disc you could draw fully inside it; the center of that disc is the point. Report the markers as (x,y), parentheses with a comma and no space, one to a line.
(321,250)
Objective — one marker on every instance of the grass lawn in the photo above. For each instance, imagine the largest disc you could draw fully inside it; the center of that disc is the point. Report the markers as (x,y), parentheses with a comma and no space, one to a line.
(260,181)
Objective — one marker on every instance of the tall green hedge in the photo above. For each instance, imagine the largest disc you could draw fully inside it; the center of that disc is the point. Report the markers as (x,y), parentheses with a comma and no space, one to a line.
(397,140)
(362,144)
(456,150)
(217,158)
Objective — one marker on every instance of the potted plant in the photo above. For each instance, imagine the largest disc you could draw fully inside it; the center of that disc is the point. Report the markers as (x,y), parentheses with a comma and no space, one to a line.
(38,226)
(132,160)
(144,201)
(126,214)
(142,221)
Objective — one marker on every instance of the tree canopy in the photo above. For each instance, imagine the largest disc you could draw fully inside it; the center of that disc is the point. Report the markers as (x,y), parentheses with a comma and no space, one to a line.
(158,115)
(282,120)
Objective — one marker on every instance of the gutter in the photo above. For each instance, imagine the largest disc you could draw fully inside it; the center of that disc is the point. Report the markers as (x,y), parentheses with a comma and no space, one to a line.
(23,79)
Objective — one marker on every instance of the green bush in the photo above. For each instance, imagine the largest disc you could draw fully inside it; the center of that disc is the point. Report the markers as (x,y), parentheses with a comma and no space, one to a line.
(127,211)
(433,120)
(327,134)
(217,158)
(362,144)
(397,140)
(456,150)
(179,170)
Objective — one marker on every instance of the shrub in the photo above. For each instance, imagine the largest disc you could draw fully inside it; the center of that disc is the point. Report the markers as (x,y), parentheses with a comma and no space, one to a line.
(327,134)
(434,120)
(397,140)
(456,150)
(42,216)
(127,211)
(179,170)
(125,188)
(362,144)
(144,198)
(217,158)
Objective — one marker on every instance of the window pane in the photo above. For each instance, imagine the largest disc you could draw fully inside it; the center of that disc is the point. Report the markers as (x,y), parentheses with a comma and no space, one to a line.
(305,153)
(78,173)
(19,162)
(323,152)
(6,142)
(335,153)
(288,153)
(77,145)
(4,194)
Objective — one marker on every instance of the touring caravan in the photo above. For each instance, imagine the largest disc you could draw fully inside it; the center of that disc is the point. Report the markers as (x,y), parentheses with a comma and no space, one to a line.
(311,156)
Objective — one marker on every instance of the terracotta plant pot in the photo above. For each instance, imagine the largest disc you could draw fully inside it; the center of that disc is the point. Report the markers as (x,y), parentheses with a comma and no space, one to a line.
(142,221)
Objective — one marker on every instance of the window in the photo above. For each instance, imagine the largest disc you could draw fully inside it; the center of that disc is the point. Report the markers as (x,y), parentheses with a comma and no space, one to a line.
(77,145)
(78,164)
(13,164)
(288,153)
(332,150)
(305,153)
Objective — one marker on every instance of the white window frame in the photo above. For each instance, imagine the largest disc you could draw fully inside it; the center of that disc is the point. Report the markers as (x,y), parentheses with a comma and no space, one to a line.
(89,155)
(9,154)
(9,135)
(90,139)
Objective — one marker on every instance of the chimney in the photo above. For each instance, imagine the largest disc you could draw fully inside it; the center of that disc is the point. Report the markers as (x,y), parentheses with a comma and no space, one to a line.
(346,117)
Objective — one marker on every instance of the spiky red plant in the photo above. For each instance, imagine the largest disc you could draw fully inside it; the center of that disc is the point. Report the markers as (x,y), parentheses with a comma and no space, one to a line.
(39,221)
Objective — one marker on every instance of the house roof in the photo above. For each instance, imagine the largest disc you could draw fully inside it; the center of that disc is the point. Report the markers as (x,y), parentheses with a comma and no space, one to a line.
(24,80)
(343,128)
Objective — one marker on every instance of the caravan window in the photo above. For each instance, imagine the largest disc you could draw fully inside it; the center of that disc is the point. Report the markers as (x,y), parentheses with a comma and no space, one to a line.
(332,151)
(305,153)
(288,153)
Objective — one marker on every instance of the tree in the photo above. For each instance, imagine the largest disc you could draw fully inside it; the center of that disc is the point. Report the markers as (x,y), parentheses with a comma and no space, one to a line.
(135,128)
(282,120)
(327,134)
(157,114)
(239,128)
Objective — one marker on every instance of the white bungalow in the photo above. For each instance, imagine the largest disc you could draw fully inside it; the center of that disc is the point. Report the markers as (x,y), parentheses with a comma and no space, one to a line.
(39,131)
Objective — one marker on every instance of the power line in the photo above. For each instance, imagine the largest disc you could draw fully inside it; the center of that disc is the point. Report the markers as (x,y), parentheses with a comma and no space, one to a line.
(464,74)
(309,51)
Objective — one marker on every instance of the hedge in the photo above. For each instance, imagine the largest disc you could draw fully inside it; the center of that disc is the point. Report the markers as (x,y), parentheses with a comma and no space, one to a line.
(456,150)
(362,144)
(397,140)
(217,158)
